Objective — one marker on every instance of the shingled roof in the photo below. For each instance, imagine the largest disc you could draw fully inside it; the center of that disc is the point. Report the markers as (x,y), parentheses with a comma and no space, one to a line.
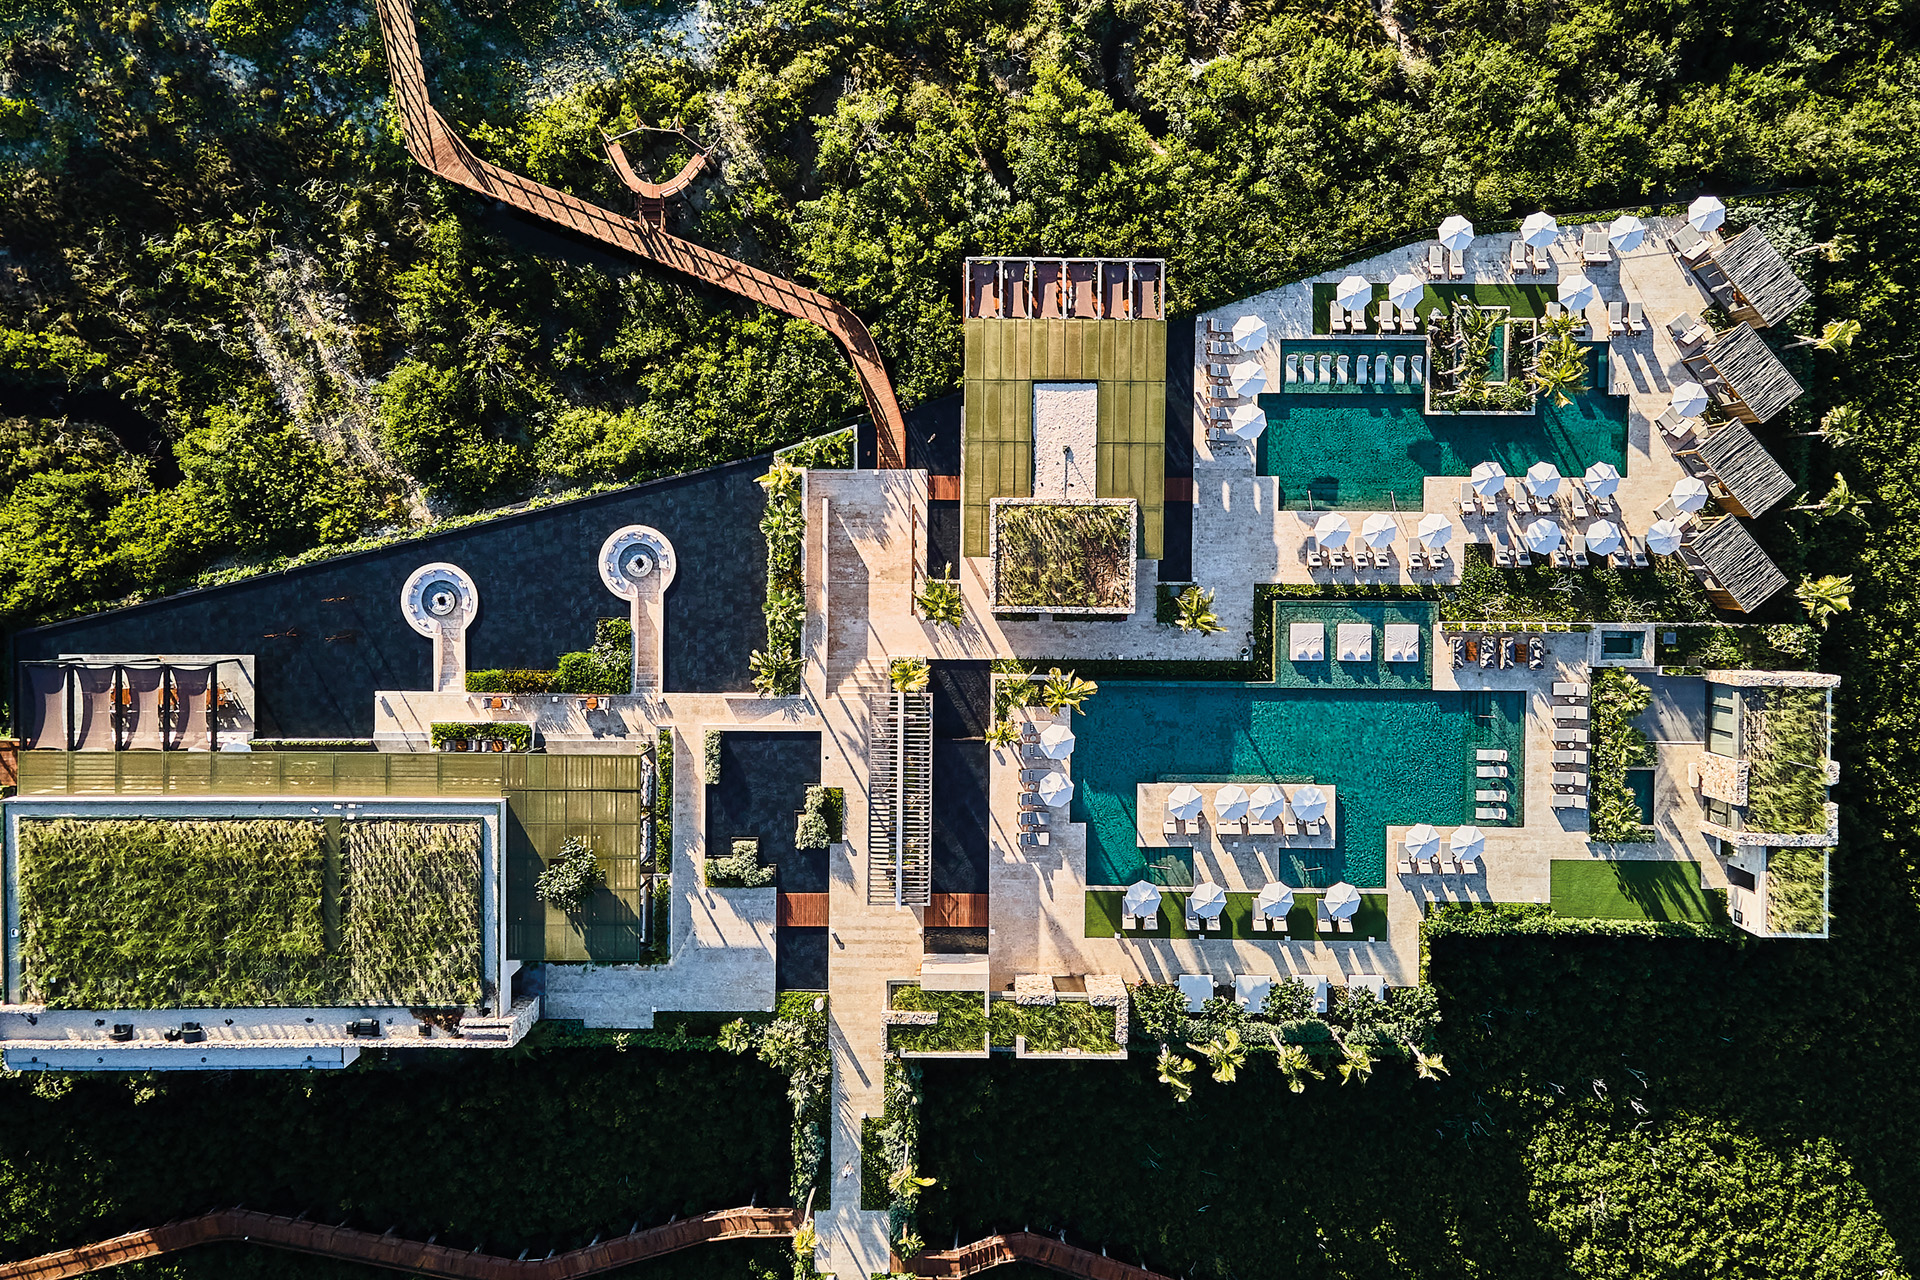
(1739,574)
(1761,276)
(1758,384)
(1744,468)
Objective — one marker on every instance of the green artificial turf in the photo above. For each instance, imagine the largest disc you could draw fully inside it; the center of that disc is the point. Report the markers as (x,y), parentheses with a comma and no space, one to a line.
(1103,918)
(1634,891)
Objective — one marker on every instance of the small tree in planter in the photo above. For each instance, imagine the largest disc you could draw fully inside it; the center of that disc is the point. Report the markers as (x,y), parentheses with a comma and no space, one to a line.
(741,869)
(1193,611)
(571,878)
(909,675)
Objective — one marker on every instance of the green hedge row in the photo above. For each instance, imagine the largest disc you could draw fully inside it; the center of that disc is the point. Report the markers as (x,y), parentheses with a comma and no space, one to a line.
(518,737)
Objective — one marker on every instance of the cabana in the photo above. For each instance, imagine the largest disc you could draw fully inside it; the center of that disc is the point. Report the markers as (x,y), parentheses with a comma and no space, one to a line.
(1745,478)
(1744,375)
(1736,573)
(1749,278)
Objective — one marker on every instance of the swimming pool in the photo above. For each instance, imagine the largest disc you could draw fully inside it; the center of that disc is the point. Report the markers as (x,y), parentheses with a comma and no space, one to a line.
(1396,757)
(1331,673)
(1358,450)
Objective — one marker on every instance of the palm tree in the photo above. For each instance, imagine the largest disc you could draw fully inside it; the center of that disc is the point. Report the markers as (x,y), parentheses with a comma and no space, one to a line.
(1174,1071)
(1357,1062)
(1838,427)
(1838,335)
(1195,611)
(909,1245)
(1003,733)
(1824,597)
(772,672)
(782,478)
(909,675)
(1427,1066)
(1293,1062)
(906,1183)
(1560,369)
(1064,689)
(939,600)
(1840,501)
(1227,1055)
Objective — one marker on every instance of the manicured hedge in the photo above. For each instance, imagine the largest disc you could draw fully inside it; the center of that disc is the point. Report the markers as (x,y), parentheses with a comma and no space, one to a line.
(518,737)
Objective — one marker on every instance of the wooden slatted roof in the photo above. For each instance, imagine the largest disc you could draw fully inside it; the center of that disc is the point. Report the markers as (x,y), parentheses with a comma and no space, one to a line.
(1726,552)
(1750,372)
(1745,468)
(1761,276)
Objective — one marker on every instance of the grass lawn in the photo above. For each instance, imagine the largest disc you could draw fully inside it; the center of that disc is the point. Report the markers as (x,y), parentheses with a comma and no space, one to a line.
(1634,891)
(1103,918)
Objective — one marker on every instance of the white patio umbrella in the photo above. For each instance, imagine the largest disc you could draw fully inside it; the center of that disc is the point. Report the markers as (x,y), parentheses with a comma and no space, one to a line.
(1249,333)
(1540,230)
(1542,537)
(1230,803)
(1406,290)
(1488,479)
(1689,493)
(1342,900)
(1248,378)
(1331,530)
(1422,840)
(1274,900)
(1140,899)
(1663,539)
(1056,741)
(1354,293)
(1626,232)
(1689,400)
(1603,537)
(1055,789)
(1706,214)
(1246,422)
(1543,479)
(1456,233)
(1435,530)
(1185,802)
(1309,804)
(1207,900)
(1576,293)
(1602,479)
(1378,530)
(1467,842)
(1267,804)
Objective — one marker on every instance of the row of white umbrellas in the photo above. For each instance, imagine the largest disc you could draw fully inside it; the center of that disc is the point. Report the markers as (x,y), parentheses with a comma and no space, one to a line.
(1207,900)
(1423,841)
(1625,233)
(1232,803)
(1380,529)
(1543,479)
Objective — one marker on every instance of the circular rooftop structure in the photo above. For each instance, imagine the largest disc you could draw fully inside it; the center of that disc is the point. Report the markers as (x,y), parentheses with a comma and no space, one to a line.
(438,596)
(634,559)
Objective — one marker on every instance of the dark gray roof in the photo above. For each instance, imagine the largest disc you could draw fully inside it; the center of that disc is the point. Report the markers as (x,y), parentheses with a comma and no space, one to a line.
(1742,464)
(1724,549)
(1756,269)
(1750,370)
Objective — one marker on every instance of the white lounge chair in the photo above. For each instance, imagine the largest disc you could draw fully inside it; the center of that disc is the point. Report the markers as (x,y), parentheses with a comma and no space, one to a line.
(1343,365)
(1326,370)
(1360,372)
(1380,368)
(1496,754)
(1417,366)
(1399,371)
(1336,318)
(1490,771)
(1293,366)
(1570,757)
(1436,262)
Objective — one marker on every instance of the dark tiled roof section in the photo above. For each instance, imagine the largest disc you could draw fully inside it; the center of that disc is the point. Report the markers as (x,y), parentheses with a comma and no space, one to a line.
(1756,269)
(1725,550)
(1743,465)
(1750,370)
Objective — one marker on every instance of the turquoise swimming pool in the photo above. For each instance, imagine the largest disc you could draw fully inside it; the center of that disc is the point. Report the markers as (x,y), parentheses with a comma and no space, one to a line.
(1396,757)
(1331,673)
(1358,450)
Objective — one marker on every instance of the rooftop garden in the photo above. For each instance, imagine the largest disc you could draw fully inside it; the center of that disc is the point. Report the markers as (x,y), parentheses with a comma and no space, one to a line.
(1063,556)
(157,914)
(960,1024)
(1797,891)
(1786,746)
(1613,815)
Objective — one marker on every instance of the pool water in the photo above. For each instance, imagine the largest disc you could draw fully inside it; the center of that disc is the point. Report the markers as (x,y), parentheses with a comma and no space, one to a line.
(1330,672)
(1357,451)
(1396,757)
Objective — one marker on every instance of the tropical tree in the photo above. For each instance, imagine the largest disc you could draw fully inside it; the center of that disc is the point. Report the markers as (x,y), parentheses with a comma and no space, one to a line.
(782,478)
(1838,428)
(909,675)
(1064,689)
(1824,597)
(1837,336)
(805,1240)
(909,1245)
(1003,733)
(1356,1062)
(1294,1063)
(1427,1066)
(1226,1054)
(774,671)
(1561,369)
(1194,611)
(906,1183)
(1174,1071)
(939,600)
(1841,500)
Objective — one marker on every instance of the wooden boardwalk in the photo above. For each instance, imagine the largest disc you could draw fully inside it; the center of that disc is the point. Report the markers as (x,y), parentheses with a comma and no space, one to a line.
(390,1251)
(433,143)
(1024,1246)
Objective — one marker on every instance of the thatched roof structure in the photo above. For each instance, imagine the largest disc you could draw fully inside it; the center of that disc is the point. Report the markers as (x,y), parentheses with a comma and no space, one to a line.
(1735,571)
(1744,375)
(1749,480)
(1766,289)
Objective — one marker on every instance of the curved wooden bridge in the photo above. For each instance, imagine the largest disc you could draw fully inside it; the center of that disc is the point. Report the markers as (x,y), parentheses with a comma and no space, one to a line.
(432,142)
(1024,1246)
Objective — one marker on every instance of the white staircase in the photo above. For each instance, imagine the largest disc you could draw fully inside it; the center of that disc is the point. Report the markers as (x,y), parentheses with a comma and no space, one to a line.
(900,800)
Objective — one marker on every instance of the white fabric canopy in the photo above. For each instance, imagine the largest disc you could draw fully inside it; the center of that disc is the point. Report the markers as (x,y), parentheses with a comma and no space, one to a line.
(1247,422)
(1207,900)
(1544,479)
(1055,789)
(1603,537)
(1540,230)
(1406,290)
(1248,378)
(1274,901)
(1689,400)
(1602,479)
(1267,804)
(1663,539)
(1542,537)
(1626,232)
(1378,530)
(1422,841)
(1230,802)
(1309,803)
(1249,333)
(1456,233)
(1706,214)
(1056,740)
(1331,530)
(1140,899)
(1306,641)
(1342,901)
(1184,802)
(1576,293)
(1690,493)
(1467,842)
(1488,479)
(1355,293)
(1435,529)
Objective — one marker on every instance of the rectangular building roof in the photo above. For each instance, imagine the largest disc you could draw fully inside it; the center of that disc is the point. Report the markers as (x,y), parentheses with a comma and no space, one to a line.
(1726,552)
(1761,276)
(1744,468)
(1750,373)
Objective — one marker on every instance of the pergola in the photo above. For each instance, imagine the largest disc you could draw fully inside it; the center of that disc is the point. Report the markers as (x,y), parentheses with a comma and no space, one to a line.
(1737,574)
(1755,283)
(1744,375)
(1744,476)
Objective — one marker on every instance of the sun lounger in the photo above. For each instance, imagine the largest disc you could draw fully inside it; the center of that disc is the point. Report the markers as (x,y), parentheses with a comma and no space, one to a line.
(1490,813)
(1686,331)
(1220,391)
(1496,755)
(1536,653)
(1129,923)
(1193,923)
(1342,365)
(1573,715)
(1293,366)
(1384,317)
(1565,800)
(1324,920)
(1517,259)
(1406,865)
(1504,653)
(1486,647)
(1616,318)
(1033,817)
(1217,370)
(1344,924)
(1399,371)
(1568,779)
(1570,757)
(1636,318)
(1314,560)
(1336,558)
(1561,557)
(1409,320)
(1033,777)
(1577,499)
(1170,828)
(1502,555)
(1568,736)
(1380,369)
(1593,247)
(1456,265)
(1638,550)
(1490,771)
(1360,370)
(1490,795)
(1555,311)
(1035,838)
(1577,547)
(1689,244)
(1466,866)
(1436,262)
(1569,689)
(1542,261)
(1336,318)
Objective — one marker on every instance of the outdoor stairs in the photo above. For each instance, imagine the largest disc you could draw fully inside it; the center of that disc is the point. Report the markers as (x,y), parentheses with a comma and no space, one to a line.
(505,1029)
(900,800)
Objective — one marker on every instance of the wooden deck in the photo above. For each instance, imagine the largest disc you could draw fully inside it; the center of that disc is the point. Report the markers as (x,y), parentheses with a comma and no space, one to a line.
(436,147)
(1024,1246)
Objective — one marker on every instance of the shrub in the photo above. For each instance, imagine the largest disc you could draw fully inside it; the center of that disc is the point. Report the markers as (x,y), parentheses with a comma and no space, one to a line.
(962,1028)
(1288,1000)
(1063,556)
(741,869)
(1797,890)
(571,878)
(821,819)
(1787,744)
(518,737)
(663,802)
(1052,1028)
(1613,814)
(412,925)
(777,668)
(1159,1011)
(512,680)
(710,758)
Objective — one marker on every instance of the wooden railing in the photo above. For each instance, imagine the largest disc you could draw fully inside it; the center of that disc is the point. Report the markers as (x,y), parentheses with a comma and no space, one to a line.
(427,1259)
(436,147)
(1024,1246)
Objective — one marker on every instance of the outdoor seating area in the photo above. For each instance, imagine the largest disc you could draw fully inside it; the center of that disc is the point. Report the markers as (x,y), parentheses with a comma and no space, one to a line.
(1290,816)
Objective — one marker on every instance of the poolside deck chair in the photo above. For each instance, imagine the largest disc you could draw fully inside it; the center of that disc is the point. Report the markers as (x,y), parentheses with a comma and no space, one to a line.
(1336,318)
(1505,652)
(1467,504)
(1638,552)
(1594,250)
(1577,548)
(1030,778)
(1409,320)
(1570,757)
(1577,501)
(1217,370)
(1417,369)
(1380,369)
(1313,827)
(1405,865)
(1336,558)
(1360,371)
(1502,556)
(1399,371)
(1570,715)
(1344,924)
(1616,319)
(1569,780)
(1323,921)
(1689,245)
(1490,795)
(1491,755)
(1636,318)
(1490,813)
(1542,261)
(1293,366)
(1314,560)
(1385,318)
(1456,265)
(1687,332)
(1171,827)
(1033,818)
(1555,311)
(1436,262)
(1193,923)
(1568,689)
(1326,370)
(1342,365)
(1568,736)
(1565,800)
(1467,866)
(1220,391)
(1536,653)
(1032,839)
(1487,646)
(1380,560)
(1517,259)
(1129,923)
(1490,771)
